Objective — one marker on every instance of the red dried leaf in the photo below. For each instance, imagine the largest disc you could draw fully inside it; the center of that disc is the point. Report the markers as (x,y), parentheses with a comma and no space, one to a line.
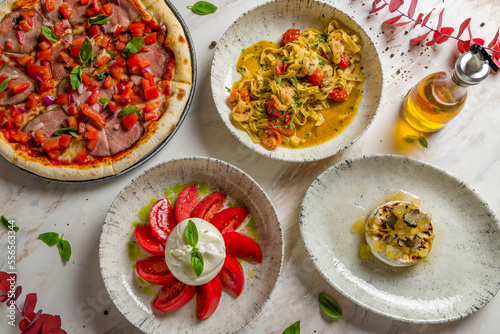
(393,19)
(418,20)
(495,40)
(427,17)
(440,21)
(420,38)
(395,4)
(445,34)
(465,46)
(463,26)
(18,291)
(29,304)
(45,324)
(413,6)
(5,281)
(375,8)
(402,23)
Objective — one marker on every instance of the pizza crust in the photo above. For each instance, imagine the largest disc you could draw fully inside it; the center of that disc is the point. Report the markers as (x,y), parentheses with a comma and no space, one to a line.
(158,131)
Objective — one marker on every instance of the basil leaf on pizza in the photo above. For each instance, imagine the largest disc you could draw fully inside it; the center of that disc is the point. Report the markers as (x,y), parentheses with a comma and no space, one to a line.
(92,92)
(133,46)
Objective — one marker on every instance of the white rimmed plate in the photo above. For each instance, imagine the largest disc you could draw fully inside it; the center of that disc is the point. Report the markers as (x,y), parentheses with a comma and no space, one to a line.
(268,22)
(120,277)
(462,273)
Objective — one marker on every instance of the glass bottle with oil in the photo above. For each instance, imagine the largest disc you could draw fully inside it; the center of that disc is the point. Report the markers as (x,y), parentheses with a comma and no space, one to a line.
(439,97)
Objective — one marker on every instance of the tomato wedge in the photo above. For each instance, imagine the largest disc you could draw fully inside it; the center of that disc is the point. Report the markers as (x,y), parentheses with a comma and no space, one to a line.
(186,202)
(229,219)
(173,295)
(148,241)
(242,246)
(232,276)
(153,270)
(271,138)
(207,298)
(209,206)
(162,219)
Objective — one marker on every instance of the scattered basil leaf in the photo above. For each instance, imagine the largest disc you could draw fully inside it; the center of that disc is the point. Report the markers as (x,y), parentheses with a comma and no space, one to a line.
(49,34)
(105,101)
(411,138)
(191,233)
(3,84)
(203,8)
(75,77)
(74,134)
(329,306)
(18,19)
(140,113)
(228,89)
(86,51)
(197,261)
(133,46)
(64,249)
(68,130)
(128,111)
(99,19)
(423,141)
(293,329)
(103,75)
(8,224)
(50,238)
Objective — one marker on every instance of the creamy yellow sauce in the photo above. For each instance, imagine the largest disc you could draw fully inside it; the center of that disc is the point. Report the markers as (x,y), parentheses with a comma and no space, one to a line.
(337,117)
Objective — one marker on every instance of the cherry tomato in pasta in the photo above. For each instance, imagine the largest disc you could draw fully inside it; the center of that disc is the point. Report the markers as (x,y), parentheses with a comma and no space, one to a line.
(280,67)
(237,95)
(271,110)
(290,35)
(344,61)
(316,78)
(338,94)
(271,138)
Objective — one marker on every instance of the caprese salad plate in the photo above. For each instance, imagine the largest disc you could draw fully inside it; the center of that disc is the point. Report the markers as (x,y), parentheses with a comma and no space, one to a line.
(460,275)
(191,245)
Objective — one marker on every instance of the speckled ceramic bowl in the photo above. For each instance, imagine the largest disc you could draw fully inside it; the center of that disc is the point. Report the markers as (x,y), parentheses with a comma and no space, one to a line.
(121,280)
(268,22)
(462,272)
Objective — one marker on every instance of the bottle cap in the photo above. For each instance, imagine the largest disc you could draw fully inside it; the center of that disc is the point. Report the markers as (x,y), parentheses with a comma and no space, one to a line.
(473,67)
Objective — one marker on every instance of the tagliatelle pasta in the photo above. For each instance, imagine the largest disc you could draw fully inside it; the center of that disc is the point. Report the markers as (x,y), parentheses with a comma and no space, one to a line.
(289,91)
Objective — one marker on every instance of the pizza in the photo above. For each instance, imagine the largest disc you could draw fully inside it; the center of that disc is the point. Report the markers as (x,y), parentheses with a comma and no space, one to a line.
(88,88)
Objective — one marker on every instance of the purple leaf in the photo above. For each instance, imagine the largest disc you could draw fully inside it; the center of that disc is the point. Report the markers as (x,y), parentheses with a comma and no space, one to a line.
(29,304)
(393,20)
(395,4)
(411,10)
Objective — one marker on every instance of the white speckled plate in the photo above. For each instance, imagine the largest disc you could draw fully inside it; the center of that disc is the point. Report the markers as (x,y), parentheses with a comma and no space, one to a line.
(121,279)
(268,22)
(462,273)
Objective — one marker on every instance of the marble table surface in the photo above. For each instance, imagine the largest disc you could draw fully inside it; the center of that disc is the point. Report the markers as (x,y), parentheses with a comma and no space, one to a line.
(467,147)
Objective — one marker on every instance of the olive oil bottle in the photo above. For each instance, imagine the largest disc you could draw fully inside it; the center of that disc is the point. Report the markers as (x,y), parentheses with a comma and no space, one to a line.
(439,97)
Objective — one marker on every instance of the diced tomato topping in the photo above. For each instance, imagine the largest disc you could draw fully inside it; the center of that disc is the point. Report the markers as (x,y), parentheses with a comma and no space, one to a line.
(94,30)
(133,60)
(130,120)
(25,60)
(66,10)
(75,51)
(84,2)
(113,106)
(63,99)
(45,55)
(167,84)
(92,135)
(44,45)
(82,155)
(72,110)
(91,128)
(78,41)
(150,38)
(50,5)
(170,66)
(127,93)
(118,30)
(104,43)
(108,82)
(27,13)
(58,29)
(51,144)
(120,45)
(121,62)
(64,140)
(66,57)
(92,143)
(19,136)
(118,73)
(20,87)
(151,93)
(91,12)
(26,25)
(81,128)
(40,137)
(144,63)
(150,77)
(86,79)
(136,28)
(93,98)
(103,60)
(72,121)
(149,115)
(33,100)
(145,84)
(107,9)
(95,115)
(97,5)
(20,37)
(124,38)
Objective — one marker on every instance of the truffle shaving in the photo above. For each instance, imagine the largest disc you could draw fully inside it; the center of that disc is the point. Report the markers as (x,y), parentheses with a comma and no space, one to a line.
(412,218)
(414,244)
(392,219)
(390,238)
